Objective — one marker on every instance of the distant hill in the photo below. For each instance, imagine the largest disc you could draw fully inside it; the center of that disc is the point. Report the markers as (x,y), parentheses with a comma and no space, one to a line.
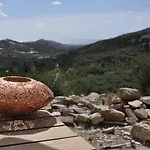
(40,46)
(48,46)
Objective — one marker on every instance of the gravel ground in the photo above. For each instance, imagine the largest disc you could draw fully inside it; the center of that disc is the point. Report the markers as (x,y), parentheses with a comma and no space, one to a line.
(100,140)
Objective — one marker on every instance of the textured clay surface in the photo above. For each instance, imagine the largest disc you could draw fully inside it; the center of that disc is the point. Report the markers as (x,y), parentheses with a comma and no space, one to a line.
(21,95)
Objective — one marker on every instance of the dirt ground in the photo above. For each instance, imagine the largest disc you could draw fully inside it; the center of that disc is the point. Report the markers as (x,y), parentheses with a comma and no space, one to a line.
(119,138)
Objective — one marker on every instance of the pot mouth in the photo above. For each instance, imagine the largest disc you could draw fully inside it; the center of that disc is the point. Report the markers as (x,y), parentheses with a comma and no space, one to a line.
(16,79)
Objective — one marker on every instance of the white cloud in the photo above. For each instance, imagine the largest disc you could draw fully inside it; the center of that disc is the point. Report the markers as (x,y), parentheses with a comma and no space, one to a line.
(56,3)
(3,14)
(1,4)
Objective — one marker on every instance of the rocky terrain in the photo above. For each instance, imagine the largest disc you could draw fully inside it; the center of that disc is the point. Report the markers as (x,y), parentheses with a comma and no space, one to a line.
(107,121)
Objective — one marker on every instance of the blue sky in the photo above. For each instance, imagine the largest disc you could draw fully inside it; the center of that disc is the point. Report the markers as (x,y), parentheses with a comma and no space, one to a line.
(71,21)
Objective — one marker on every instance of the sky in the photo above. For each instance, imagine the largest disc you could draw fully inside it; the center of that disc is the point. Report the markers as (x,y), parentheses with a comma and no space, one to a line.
(71,21)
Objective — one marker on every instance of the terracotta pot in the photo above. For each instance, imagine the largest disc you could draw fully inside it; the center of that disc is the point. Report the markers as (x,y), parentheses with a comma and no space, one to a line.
(22,95)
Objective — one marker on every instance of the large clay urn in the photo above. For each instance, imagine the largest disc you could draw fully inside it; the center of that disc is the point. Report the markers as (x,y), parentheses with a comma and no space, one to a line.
(22,95)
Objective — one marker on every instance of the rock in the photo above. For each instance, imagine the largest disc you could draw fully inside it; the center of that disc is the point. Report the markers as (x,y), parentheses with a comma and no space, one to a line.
(127,128)
(64,100)
(100,108)
(56,114)
(87,103)
(109,98)
(110,130)
(80,104)
(117,106)
(66,111)
(135,104)
(113,115)
(148,111)
(131,116)
(75,98)
(48,107)
(116,100)
(129,94)
(141,113)
(79,110)
(82,118)
(68,120)
(130,120)
(94,98)
(58,106)
(126,106)
(58,100)
(96,118)
(143,106)
(141,131)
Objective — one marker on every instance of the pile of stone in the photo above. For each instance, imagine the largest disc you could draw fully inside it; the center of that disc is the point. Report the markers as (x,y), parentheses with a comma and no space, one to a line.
(125,106)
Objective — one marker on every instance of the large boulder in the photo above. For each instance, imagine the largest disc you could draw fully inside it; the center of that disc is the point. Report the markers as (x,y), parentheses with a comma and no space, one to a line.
(129,94)
(96,118)
(113,115)
(141,131)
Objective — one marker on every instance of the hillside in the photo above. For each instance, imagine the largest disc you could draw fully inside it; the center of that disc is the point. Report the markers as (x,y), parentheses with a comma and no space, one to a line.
(109,64)
(104,66)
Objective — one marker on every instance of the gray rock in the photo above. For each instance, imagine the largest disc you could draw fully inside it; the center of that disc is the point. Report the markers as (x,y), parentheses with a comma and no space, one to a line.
(80,104)
(66,111)
(48,107)
(129,94)
(113,115)
(141,113)
(79,110)
(148,111)
(100,108)
(87,103)
(58,106)
(135,104)
(116,100)
(109,99)
(82,118)
(131,116)
(56,114)
(75,98)
(141,131)
(63,100)
(110,130)
(96,118)
(94,98)
(130,120)
(143,106)
(117,106)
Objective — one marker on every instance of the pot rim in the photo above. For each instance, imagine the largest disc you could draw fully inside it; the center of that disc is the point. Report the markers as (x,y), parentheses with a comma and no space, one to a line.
(16,79)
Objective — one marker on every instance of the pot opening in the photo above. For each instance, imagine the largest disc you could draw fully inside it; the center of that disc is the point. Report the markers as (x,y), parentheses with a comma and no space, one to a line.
(17,79)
